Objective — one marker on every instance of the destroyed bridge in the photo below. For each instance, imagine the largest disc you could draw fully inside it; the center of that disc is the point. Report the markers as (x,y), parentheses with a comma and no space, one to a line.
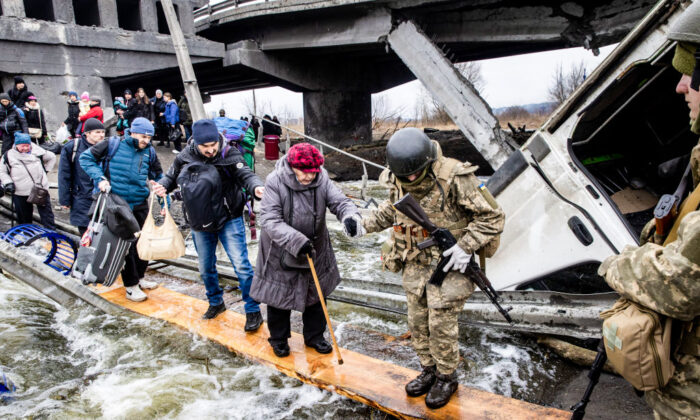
(335,52)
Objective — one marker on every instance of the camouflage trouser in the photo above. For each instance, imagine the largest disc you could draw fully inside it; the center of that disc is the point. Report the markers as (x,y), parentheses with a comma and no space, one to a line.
(680,398)
(434,333)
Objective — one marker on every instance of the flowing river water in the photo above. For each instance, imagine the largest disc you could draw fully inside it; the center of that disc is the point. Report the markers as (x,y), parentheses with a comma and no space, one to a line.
(81,363)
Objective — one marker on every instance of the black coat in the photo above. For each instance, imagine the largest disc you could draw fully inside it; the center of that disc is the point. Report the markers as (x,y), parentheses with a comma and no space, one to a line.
(12,119)
(73,114)
(233,171)
(158,107)
(74,185)
(268,129)
(137,110)
(35,119)
(19,97)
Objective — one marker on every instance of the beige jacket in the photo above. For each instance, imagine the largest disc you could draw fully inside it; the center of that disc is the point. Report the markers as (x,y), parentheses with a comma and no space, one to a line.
(12,169)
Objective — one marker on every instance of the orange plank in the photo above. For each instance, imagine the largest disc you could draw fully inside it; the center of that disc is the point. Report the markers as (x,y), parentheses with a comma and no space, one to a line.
(370,381)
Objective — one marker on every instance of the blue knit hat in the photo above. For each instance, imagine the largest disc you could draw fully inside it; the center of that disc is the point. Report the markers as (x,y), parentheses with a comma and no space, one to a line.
(72,93)
(141,125)
(204,131)
(22,138)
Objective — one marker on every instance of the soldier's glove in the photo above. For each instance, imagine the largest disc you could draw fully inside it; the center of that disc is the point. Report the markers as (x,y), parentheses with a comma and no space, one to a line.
(306,249)
(458,259)
(352,226)
(9,188)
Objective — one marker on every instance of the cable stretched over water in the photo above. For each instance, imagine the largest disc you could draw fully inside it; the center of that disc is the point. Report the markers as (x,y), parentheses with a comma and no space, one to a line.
(376,165)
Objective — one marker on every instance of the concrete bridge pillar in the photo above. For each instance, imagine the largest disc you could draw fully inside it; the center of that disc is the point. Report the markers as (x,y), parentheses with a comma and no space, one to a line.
(108,13)
(13,8)
(149,17)
(341,118)
(63,11)
(186,17)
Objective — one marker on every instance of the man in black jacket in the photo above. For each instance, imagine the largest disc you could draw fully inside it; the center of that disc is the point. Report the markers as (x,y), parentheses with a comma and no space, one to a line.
(214,202)
(11,120)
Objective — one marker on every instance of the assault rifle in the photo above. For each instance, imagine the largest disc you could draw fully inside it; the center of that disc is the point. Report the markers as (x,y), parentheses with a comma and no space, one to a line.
(445,240)
(579,409)
(666,209)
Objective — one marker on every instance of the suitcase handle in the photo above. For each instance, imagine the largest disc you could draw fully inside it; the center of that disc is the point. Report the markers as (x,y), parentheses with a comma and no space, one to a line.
(99,211)
(104,260)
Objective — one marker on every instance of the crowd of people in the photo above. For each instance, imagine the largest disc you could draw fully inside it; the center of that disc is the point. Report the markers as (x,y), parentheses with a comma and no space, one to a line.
(215,181)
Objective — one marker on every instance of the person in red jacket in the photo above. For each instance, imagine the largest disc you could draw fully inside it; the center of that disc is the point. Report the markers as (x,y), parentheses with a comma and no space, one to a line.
(94,112)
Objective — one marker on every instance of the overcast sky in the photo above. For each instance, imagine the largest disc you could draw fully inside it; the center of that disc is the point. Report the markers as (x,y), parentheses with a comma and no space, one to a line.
(516,80)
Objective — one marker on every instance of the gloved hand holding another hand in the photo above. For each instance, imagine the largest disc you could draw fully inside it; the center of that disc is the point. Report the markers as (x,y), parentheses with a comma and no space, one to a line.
(458,259)
(352,226)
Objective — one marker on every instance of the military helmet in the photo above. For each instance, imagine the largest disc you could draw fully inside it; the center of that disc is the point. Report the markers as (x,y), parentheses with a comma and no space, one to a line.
(687,27)
(409,151)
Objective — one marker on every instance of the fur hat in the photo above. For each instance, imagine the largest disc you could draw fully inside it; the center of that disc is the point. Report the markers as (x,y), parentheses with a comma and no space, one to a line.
(305,157)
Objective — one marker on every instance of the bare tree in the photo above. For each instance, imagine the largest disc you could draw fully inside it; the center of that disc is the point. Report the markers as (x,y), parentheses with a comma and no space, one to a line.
(564,83)
(384,119)
(472,72)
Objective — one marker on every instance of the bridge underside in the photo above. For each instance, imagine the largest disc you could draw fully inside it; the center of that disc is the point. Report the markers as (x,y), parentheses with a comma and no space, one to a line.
(337,53)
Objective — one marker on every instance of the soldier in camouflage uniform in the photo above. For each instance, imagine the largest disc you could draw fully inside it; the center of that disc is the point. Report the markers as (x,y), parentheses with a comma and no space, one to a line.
(454,199)
(667,279)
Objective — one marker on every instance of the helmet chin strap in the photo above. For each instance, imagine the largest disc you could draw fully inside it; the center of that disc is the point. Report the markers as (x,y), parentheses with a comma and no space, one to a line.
(442,191)
(695,81)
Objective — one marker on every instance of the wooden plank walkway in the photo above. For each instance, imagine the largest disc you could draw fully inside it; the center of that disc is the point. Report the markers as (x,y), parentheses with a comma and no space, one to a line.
(370,381)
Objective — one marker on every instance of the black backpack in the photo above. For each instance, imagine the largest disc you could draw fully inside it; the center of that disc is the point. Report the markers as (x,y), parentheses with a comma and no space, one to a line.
(183,115)
(202,196)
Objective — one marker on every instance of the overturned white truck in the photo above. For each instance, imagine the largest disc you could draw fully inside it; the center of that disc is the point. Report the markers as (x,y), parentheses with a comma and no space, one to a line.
(584,184)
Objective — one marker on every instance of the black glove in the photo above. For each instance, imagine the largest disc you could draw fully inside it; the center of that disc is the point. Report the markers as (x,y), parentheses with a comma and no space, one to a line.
(9,188)
(306,249)
(177,195)
(350,226)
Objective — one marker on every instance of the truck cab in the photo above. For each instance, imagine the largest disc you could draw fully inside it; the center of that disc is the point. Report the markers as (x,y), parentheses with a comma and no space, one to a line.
(585,184)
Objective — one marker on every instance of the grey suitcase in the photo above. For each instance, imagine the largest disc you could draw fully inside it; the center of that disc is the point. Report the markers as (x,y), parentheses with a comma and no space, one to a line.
(104,259)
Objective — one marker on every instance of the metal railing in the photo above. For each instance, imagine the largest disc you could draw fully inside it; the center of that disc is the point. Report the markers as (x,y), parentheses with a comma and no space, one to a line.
(209,10)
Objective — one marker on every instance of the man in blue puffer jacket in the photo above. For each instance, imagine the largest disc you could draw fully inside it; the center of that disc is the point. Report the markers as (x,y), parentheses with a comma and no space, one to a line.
(127,173)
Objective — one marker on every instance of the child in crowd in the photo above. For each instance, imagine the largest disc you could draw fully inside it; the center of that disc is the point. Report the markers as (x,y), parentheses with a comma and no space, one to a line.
(120,108)
(84,103)
(72,122)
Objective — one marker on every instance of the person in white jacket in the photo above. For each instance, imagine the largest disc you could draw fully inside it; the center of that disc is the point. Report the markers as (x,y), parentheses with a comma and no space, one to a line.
(22,167)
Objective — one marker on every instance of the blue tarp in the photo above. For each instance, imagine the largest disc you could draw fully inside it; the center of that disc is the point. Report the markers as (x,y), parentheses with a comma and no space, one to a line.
(230,127)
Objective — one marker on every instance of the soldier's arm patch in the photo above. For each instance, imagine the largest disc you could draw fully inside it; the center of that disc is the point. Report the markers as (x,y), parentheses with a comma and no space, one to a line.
(488,196)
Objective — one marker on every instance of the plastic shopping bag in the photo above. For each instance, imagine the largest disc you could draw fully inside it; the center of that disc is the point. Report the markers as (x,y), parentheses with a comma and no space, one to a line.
(62,135)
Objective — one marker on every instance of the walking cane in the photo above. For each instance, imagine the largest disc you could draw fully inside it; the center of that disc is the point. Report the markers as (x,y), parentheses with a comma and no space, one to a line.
(325,310)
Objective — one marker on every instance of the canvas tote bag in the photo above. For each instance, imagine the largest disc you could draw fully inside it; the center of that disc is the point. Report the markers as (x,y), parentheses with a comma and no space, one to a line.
(160,242)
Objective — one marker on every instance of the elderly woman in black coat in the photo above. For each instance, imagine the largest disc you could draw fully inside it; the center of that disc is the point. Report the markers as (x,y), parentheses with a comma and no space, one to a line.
(293,220)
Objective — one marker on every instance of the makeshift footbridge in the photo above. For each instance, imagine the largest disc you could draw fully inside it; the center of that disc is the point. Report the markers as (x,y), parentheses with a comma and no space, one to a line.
(361,378)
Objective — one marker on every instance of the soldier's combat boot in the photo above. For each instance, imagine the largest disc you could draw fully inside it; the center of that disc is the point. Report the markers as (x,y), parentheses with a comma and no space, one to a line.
(441,391)
(422,383)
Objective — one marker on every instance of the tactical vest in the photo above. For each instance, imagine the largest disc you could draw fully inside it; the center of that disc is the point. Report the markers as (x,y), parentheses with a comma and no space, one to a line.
(406,234)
